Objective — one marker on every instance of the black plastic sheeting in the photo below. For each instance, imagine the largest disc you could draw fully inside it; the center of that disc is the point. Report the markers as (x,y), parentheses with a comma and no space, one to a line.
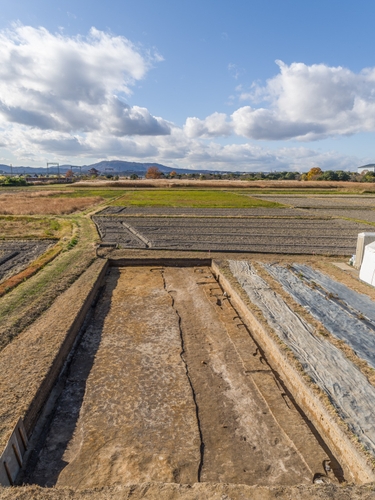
(342,322)
(347,388)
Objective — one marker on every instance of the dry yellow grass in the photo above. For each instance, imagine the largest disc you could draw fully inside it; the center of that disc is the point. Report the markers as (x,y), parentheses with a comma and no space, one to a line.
(304,186)
(43,203)
(24,227)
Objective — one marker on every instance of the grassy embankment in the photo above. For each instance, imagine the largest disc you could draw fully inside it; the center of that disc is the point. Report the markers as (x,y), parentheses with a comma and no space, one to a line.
(50,275)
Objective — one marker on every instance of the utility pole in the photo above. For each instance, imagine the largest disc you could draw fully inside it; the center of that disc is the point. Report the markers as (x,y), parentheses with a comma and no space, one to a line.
(11,170)
(56,165)
(77,166)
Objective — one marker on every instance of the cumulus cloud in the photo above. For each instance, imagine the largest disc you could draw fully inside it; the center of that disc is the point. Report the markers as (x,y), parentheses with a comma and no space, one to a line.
(268,124)
(73,84)
(65,97)
(175,150)
(212,126)
(126,120)
(309,102)
(302,102)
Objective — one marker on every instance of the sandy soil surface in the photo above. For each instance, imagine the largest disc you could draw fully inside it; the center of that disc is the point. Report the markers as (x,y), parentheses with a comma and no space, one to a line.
(198,491)
(137,420)
(168,386)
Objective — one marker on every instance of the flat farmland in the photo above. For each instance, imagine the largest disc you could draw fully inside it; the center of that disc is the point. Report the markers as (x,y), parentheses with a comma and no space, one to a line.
(135,211)
(361,208)
(39,202)
(265,234)
(358,213)
(199,198)
(309,201)
(17,255)
(367,215)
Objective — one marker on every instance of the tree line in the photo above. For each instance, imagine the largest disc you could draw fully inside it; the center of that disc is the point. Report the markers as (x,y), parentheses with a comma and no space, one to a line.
(314,174)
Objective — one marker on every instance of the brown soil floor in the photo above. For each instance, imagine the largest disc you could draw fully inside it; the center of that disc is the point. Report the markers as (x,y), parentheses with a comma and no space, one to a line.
(167,385)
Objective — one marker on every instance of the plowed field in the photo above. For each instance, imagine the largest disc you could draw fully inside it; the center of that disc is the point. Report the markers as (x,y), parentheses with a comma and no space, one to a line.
(261,234)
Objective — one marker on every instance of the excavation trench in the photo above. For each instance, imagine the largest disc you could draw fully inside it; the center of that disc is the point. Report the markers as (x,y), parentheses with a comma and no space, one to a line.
(167,384)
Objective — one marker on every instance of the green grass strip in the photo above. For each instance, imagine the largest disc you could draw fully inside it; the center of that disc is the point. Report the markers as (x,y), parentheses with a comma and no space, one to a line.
(191,198)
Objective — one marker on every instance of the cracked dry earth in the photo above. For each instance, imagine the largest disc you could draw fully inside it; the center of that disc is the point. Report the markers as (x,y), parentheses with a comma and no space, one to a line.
(167,385)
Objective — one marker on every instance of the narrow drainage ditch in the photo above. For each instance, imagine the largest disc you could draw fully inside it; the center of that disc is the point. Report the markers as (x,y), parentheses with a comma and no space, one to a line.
(167,385)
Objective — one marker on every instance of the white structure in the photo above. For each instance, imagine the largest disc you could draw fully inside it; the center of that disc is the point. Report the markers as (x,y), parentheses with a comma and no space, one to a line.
(363,240)
(367,272)
(366,168)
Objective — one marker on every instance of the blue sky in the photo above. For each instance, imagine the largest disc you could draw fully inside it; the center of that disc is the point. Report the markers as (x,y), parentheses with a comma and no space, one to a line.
(240,85)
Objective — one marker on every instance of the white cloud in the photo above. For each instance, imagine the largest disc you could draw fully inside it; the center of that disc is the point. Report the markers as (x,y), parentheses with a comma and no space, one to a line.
(304,103)
(72,84)
(175,150)
(212,126)
(268,124)
(125,120)
(64,97)
(235,71)
(309,103)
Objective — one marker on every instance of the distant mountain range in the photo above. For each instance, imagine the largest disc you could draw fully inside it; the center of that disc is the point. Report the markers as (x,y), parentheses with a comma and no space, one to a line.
(114,167)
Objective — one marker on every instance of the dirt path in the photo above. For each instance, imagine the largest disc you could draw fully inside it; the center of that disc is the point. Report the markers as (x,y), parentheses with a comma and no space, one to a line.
(168,386)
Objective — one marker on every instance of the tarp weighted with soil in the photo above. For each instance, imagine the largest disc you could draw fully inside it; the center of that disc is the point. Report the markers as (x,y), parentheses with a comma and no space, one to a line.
(343,321)
(347,388)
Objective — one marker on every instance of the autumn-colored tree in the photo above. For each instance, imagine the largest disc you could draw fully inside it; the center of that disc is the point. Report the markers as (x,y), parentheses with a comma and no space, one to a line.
(153,173)
(69,174)
(172,174)
(313,173)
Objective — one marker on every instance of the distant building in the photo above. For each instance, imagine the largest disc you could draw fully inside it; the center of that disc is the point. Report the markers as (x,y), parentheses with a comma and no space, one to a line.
(93,172)
(366,168)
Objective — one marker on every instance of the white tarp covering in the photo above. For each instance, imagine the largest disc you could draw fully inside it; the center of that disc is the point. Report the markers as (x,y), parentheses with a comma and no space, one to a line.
(367,272)
(342,322)
(347,388)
